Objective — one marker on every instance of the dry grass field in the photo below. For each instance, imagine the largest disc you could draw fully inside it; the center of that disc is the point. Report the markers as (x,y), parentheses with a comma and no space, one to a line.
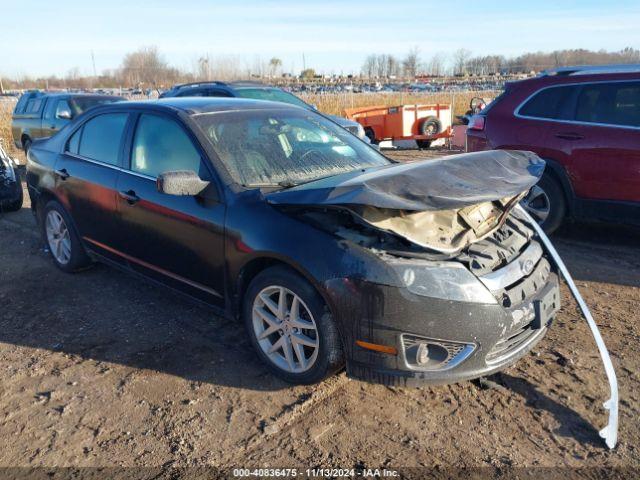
(333,103)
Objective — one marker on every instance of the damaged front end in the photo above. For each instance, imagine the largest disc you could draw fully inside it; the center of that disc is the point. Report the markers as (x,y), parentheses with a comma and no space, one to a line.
(459,250)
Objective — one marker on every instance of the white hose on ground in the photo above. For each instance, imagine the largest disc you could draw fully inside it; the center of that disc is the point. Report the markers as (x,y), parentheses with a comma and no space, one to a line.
(610,432)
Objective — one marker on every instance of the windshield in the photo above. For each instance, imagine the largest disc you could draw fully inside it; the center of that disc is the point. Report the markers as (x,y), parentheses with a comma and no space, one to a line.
(283,147)
(272,94)
(81,104)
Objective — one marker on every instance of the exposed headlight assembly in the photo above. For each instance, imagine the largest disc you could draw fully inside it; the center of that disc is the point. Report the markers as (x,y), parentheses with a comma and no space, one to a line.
(446,280)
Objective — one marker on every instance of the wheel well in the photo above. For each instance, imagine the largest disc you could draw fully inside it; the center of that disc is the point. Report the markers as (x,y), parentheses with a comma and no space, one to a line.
(247,274)
(553,174)
(24,138)
(43,198)
(250,270)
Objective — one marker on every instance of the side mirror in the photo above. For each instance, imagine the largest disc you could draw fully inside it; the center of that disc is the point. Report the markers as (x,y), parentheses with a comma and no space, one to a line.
(180,182)
(64,115)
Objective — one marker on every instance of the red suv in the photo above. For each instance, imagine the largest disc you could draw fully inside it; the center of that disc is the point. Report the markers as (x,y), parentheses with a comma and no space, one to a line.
(585,122)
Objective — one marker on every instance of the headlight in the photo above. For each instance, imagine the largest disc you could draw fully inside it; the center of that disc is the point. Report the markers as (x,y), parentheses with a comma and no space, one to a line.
(446,280)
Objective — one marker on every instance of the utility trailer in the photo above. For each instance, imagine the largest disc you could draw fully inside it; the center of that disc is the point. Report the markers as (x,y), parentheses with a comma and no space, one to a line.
(422,123)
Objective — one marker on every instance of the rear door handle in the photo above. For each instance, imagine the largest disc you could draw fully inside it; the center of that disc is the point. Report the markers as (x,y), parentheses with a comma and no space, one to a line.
(569,136)
(62,173)
(130,196)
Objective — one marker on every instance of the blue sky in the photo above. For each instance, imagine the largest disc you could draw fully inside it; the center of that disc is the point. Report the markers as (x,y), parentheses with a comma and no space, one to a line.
(52,37)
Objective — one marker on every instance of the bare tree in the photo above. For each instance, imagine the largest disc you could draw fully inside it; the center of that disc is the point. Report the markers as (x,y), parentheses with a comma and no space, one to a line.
(411,62)
(435,65)
(460,59)
(274,65)
(147,67)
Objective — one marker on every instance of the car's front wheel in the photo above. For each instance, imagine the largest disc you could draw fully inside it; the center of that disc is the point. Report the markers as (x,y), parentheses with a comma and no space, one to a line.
(62,241)
(290,327)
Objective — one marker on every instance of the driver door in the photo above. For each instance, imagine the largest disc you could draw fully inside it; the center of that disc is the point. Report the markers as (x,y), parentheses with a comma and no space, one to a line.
(177,240)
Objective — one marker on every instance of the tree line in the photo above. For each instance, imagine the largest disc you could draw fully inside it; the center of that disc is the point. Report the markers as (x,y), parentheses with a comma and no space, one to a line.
(463,62)
(147,68)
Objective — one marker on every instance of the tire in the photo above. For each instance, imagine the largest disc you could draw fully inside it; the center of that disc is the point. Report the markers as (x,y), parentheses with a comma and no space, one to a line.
(549,191)
(371,135)
(73,257)
(26,145)
(430,126)
(423,143)
(16,204)
(321,360)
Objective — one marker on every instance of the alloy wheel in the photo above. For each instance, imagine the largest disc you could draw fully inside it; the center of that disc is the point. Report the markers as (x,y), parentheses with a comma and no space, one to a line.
(285,329)
(537,203)
(58,237)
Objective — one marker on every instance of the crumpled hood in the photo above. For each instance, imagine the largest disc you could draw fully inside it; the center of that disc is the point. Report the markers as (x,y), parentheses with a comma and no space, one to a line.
(451,182)
(443,205)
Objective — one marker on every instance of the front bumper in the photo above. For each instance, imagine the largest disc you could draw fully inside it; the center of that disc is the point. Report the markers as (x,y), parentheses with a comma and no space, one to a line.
(386,315)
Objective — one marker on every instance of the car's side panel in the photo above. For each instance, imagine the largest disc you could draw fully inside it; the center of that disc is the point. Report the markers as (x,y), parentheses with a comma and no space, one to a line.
(88,194)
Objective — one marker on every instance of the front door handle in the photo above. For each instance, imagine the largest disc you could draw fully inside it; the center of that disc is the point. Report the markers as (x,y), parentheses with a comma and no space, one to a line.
(569,136)
(130,196)
(62,173)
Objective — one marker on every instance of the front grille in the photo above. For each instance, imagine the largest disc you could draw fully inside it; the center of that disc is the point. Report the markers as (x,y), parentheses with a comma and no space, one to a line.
(512,265)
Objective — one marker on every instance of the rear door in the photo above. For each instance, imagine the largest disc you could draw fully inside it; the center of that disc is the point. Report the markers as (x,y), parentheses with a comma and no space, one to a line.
(178,240)
(537,121)
(604,142)
(86,174)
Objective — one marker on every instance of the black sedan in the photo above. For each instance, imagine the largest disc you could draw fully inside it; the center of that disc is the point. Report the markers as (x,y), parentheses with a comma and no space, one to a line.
(327,251)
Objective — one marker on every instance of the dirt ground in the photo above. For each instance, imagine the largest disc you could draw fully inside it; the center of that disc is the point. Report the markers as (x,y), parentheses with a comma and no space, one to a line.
(98,369)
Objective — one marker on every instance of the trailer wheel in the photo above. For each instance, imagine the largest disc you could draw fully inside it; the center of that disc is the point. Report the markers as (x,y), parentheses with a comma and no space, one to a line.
(371,135)
(430,126)
(423,143)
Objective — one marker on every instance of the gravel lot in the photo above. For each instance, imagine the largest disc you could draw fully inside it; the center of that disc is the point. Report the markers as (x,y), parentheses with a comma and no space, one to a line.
(98,369)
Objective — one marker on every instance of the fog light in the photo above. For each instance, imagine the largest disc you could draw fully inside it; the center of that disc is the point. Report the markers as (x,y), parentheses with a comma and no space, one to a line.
(422,354)
(429,355)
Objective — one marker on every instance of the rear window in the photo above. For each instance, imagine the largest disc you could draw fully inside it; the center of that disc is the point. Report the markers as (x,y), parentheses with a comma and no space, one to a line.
(610,103)
(553,103)
(22,103)
(101,137)
(34,105)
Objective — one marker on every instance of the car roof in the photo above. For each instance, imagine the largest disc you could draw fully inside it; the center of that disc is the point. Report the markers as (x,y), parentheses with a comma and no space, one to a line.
(195,105)
(40,94)
(590,77)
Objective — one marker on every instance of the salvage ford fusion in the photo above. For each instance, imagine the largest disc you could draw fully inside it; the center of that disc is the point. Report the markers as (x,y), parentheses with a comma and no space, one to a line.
(330,253)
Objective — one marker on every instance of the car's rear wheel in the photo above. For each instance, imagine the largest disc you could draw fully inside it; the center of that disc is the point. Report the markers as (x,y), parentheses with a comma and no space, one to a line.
(546,203)
(291,328)
(62,241)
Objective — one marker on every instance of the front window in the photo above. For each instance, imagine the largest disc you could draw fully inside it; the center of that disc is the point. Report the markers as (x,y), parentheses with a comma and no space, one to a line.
(161,145)
(283,147)
(271,94)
